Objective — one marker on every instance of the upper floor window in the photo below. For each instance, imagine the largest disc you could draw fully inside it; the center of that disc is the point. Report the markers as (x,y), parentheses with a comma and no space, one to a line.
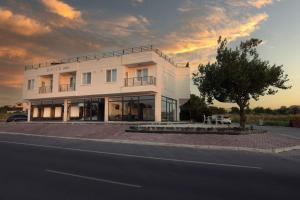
(30,84)
(86,78)
(142,73)
(111,75)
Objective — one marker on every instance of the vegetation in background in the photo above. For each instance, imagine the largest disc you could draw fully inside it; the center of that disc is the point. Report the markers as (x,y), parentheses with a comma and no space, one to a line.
(283,110)
(4,112)
(196,108)
(239,75)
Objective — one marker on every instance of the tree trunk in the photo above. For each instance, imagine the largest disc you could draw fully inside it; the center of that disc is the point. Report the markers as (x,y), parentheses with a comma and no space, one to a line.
(242,117)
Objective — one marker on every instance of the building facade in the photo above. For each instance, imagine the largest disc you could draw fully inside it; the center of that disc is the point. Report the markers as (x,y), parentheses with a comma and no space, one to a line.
(135,84)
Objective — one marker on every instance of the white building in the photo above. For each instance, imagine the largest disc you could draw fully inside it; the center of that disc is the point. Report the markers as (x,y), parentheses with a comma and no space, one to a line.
(136,84)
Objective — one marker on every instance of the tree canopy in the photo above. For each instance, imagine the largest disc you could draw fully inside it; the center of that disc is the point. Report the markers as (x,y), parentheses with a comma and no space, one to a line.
(238,75)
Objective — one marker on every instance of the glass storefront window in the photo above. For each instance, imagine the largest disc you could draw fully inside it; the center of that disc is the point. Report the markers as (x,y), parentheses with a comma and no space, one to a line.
(147,110)
(87,109)
(168,109)
(47,110)
(132,108)
(115,111)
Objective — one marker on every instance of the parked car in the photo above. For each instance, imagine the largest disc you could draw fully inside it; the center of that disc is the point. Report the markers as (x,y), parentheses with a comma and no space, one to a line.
(226,120)
(17,118)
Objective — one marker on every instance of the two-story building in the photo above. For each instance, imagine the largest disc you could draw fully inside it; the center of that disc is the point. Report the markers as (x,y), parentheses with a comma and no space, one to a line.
(135,84)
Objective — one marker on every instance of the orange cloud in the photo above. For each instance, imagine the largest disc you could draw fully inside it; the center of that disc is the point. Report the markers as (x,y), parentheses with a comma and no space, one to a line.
(21,24)
(62,9)
(259,3)
(11,80)
(12,52)
(202,35)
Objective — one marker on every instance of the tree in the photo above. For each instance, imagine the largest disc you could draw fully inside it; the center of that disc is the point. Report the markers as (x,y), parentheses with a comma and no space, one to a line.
(239,75)
(258,110)
(194,109)
(282,110)
(234,110)
(217,111)
(294,110)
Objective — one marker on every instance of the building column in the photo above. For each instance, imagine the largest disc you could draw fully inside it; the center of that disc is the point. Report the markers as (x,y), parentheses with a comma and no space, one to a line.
(65,118)
(105,109)
(29,112)
(158,107)
(178,110)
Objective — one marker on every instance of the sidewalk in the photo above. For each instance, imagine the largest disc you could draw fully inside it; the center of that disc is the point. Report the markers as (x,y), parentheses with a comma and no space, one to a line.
(116,133)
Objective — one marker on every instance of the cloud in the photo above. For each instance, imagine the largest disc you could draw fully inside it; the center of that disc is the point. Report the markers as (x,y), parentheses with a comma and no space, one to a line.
(196,39)
(124,26)
(136,2)
(21,24)
(188,6)
(12,52)
(259,3)
(11,80)
(250,3)
(62,9)
(201,33)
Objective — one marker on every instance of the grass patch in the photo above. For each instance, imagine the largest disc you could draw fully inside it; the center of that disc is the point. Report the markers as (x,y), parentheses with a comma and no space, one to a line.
(267,119)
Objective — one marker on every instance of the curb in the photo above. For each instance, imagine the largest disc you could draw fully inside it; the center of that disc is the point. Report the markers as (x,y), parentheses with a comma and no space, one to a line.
(204,147)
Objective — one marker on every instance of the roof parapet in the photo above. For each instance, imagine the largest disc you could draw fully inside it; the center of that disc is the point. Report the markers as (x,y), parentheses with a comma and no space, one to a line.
(100,56)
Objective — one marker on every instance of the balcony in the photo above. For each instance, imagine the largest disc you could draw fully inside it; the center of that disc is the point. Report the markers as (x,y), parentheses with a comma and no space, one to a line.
(140,81)
(66,88)
(67,82)
(45,89)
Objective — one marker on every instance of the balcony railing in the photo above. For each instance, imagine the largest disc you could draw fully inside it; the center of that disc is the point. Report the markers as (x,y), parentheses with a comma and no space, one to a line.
(140,81)
(45,89)
(66,88)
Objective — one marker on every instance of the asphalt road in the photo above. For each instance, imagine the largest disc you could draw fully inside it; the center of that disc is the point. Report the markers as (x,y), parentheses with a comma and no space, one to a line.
(280,130)
(33,167)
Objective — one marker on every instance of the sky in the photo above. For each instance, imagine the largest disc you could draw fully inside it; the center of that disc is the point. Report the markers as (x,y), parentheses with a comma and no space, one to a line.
(35,31)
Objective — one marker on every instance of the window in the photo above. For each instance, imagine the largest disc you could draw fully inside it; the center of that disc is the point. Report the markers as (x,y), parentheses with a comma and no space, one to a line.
(86,78)
(30,84)
(142,73)
(111,75)
(168,109)
(132,108)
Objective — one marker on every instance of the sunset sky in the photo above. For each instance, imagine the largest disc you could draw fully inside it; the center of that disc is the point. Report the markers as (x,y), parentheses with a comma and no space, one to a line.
(33,31)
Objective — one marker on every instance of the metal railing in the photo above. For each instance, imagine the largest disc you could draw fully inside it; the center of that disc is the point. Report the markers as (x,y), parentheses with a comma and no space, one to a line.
(139,81)
(100,56)
(66,87)
(45,89)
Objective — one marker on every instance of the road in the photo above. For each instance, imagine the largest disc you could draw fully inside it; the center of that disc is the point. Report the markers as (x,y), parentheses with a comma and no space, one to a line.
(280,130)
(33,167)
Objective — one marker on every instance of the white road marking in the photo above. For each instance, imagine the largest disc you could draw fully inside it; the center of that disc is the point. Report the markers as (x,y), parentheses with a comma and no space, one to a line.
(92,178)
(133,156)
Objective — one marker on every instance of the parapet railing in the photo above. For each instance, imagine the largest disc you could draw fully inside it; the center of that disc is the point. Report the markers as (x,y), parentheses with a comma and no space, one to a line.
(100,56)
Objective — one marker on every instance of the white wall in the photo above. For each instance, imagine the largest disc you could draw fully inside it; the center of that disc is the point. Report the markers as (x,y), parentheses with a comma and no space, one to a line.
(98,68)
(170,81)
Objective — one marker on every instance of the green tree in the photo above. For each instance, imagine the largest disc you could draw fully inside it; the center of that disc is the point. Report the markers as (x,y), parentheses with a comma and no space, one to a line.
(294,110)
(234,110)
(258,110)
(282,110)
(194,109)
(216,110)
(239,75)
